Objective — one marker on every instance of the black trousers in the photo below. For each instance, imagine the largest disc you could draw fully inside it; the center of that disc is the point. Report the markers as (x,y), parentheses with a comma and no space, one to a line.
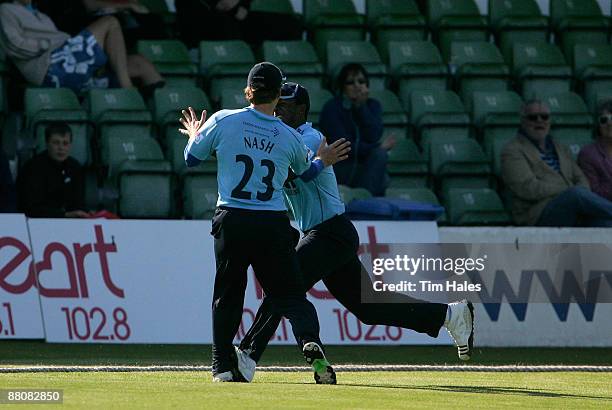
(329,252)
(264,240)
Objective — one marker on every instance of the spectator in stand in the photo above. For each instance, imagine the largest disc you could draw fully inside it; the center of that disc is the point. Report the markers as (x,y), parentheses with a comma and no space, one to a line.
(548,188)
(51,58)
(136,21)
(8,197)
(52,183)
(358,118)
(211,20)
(596,159)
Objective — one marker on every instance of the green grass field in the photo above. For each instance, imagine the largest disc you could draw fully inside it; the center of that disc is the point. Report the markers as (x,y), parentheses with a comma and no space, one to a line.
(356,390)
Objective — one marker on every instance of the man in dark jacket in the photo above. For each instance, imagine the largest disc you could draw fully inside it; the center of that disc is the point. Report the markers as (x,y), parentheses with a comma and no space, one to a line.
(51,184)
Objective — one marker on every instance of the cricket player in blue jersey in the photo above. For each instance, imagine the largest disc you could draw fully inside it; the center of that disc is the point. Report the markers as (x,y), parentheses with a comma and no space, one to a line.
(255,152)
(328,251)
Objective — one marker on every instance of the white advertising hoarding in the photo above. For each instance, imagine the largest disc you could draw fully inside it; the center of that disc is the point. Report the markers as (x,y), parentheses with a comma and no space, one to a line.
(119,281)
(20,316)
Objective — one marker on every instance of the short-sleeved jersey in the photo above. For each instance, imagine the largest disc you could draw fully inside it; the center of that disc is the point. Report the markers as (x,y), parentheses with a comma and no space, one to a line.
(318,200)
(254,153)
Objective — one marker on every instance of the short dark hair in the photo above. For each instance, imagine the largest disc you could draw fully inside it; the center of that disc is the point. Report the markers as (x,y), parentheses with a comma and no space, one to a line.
(260,95)
(350,68)
(605,105)
(57,128)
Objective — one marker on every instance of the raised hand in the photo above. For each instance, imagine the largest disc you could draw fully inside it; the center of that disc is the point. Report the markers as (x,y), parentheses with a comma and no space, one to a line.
(336,152)
(192,126)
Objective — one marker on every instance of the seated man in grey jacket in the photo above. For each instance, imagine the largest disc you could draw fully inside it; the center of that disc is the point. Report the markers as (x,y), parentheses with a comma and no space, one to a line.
(51,58)
(548,188)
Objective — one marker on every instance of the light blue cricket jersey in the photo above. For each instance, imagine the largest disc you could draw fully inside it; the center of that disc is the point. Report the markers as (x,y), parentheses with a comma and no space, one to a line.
(318,200)
(254,153)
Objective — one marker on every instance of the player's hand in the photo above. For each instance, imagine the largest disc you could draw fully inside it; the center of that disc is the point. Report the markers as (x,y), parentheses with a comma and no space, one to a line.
(336,152)
(192,126)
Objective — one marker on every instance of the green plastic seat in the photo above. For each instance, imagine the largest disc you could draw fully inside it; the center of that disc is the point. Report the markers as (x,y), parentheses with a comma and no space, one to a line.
(336,20)
(340,53)
(145,189)
(423,195)
(168,102)
(232,99)
(175,154)
(572,124)
(348,194)
(318,98)
(592,65)
(394,20)
(403,181)
(455,20)
(393,113)
(517,21)
(540,68)
(46,105)
(479,66)
(124,146)
(224,59)
(276,6)
(438,116)
(405,159)
(171,58)
(297,60)
(462,157)
(199,196)
(498,141)
(578,22)
(448,183)
(476,207)
(118,110)
(497,118)
(416,65)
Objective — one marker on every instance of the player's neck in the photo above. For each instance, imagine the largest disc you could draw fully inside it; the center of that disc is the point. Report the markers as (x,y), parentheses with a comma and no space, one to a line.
(267,109)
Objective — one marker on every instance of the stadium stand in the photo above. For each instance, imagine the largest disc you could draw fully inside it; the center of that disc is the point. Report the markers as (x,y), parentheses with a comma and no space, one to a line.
(592,64)
(298,59)
(476,207)
(171,58)
(362,52)
(540,67)
(577,22)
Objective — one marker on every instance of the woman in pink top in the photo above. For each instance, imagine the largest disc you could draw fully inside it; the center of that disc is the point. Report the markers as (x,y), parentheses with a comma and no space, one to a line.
(596,159)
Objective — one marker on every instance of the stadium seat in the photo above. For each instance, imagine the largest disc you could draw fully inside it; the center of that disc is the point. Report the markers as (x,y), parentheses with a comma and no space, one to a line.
(394,20)
(169,101)
(479,66)
(476,207)
(438,116)
(118,110)
(540,68)
(517,21)
(171,58)
(578,21)
(340,53)
(176,156)
(496,144)
(424,195)
(297,59)
(572,124)
(405,159)
(199,196)
(455,20)
(136,167)
(416,65)
(592,65)
(145,190)
(224,64)
(459,163)
(160,7)
(332,20)
(347,194)
(318,98)
(45,105)
(392,111)
(496,117)
(403,181)
(232,99)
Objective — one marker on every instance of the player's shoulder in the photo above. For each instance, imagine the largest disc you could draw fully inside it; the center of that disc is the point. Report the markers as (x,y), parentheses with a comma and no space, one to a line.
(294,136)
(224,115)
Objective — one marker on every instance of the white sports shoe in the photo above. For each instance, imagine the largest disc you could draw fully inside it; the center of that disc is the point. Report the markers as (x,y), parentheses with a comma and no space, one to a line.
(246,365)
(460,326)
(223,377)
